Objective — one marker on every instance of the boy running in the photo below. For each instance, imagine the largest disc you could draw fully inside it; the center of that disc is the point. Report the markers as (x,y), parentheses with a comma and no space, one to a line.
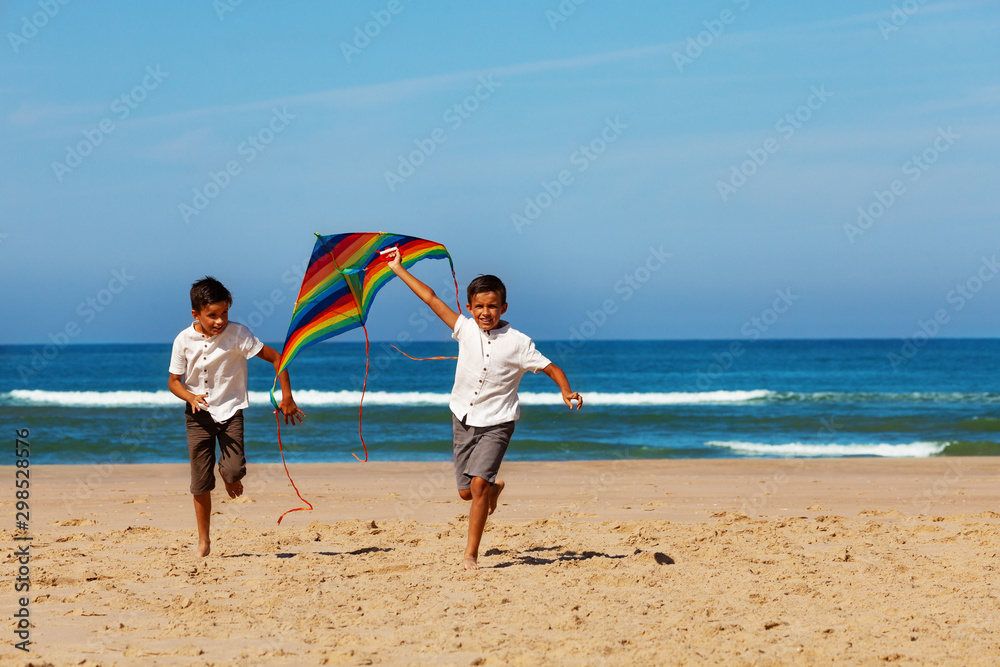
(492,357)
(208,371)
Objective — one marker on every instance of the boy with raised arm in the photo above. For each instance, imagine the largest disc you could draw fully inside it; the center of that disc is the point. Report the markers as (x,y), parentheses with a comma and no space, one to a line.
(492,357)
(208,371)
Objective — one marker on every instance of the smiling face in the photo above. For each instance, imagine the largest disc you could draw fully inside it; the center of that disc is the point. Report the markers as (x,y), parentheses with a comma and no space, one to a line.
(486,310)
(212,319)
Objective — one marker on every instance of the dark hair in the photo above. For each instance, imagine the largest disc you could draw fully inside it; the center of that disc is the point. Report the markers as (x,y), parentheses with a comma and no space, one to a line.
(207,291)
(484,284)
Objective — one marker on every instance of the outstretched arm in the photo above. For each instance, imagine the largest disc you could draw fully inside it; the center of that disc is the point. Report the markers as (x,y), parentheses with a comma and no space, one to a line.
(568,395)
(287,405)
(425,293)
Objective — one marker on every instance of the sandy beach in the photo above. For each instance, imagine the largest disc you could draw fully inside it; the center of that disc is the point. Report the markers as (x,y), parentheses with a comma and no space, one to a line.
(734,562)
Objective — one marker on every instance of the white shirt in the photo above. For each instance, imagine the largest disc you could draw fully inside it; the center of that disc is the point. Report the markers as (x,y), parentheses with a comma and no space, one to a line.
(489,369)
(217,366)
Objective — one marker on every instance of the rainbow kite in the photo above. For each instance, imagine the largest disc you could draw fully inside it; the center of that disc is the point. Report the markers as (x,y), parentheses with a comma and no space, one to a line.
(345,273)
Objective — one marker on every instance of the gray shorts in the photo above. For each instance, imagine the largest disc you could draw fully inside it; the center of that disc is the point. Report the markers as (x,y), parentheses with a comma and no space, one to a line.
(479,450)
(202,433)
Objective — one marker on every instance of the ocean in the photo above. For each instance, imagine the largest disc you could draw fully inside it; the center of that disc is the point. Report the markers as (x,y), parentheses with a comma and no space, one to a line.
(643,399)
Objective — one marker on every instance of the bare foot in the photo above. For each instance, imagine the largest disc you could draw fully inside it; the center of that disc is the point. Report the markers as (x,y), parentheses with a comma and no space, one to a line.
(495,492)
(204,548)
(235,490)
(470,563)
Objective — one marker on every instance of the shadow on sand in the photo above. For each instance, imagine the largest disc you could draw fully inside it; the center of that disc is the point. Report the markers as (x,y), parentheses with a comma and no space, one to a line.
(356,552)
(529,557)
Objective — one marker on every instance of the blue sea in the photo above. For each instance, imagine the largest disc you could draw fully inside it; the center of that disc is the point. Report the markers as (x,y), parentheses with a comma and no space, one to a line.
(643,399)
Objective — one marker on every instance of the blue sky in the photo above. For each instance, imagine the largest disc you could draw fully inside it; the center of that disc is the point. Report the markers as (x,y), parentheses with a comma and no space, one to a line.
(657,169)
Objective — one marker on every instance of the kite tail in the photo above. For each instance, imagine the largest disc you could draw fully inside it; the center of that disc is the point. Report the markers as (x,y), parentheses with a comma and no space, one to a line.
(361,403)
(415,358)
(457,303)
(277,419)
(453,277)
(275,384)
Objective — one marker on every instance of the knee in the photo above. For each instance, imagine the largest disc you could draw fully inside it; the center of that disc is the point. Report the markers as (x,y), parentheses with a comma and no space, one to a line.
(480,487)
(465,494)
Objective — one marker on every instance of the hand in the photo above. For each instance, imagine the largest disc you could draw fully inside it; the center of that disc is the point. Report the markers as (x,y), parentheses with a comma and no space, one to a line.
(291,411)
(197,401)
(570,396)
(394,259)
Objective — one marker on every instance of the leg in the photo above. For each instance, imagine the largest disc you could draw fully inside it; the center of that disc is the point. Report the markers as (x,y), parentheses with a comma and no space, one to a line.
(495,492)
(480,509)
(201,448)
(203,514)
(232,460)
(478,454)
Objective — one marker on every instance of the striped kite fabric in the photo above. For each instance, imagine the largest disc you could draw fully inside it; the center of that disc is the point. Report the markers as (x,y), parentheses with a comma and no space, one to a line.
(345,273)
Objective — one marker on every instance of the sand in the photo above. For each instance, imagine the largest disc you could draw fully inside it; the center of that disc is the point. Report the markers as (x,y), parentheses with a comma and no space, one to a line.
(734,562)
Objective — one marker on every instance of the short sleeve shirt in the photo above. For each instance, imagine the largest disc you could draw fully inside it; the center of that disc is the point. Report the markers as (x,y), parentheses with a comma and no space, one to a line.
(217,366)
(489,370)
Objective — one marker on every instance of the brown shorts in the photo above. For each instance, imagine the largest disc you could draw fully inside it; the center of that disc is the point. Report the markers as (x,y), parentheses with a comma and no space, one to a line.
(478,450)
(202,433)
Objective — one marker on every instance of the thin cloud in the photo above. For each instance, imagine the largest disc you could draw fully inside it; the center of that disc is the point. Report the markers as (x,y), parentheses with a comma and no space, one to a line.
(395,91)
(32,114)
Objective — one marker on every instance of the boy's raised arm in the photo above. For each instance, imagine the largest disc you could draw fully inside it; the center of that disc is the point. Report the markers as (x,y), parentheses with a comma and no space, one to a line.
(425,293)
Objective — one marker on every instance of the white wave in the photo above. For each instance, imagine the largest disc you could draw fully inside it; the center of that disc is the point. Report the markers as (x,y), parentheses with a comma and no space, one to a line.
(652,398)
(315,397)
(93,399)
(794,449)
(305,397)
